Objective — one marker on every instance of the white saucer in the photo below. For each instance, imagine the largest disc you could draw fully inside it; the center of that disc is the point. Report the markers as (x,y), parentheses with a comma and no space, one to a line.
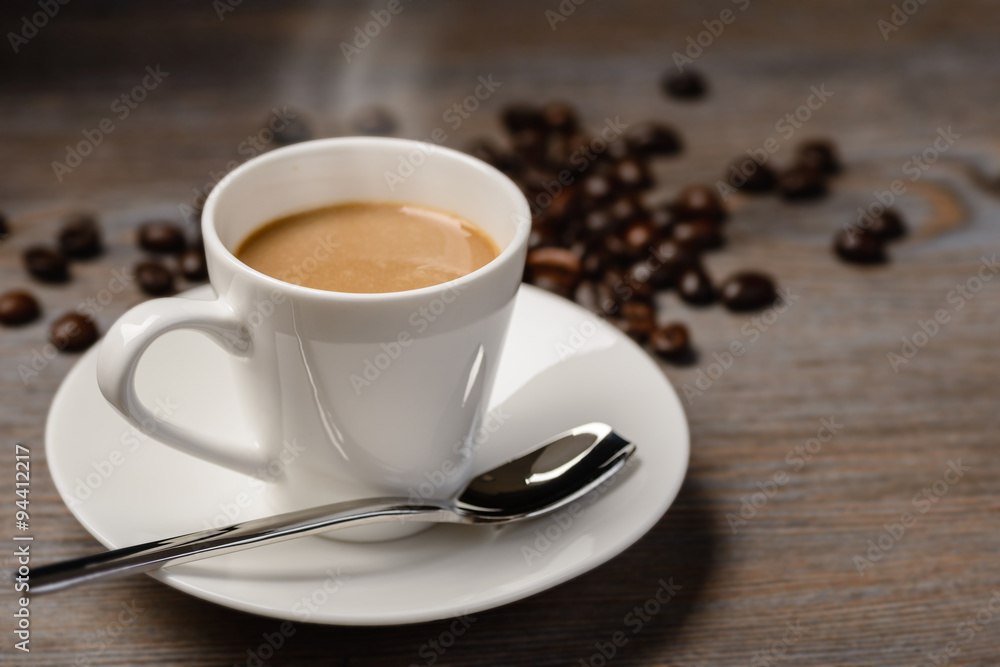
(561,367)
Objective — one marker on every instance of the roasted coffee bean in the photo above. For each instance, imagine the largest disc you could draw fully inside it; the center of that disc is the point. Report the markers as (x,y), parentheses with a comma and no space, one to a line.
(80,237)
(688,85)
(672,259)
(627,209)
(858,246)
(624,288)
(73,332)
(4,227)
(633,175)
(747,291)
(561,118)
(699,202)
(599,222)
(650,139)
(888,226)
(542,236)
(193,265)
(531,145)
(375,122)
(818,154)
(46,265)
(595,263)
(598,187)
(554,282)
(640,272)
(154,278)
(663,220)
(520,116)
(695,287)
(565,203)
(747,175)
(801,183)
(162,237)
(699,234)
(640,319)
(639,237)
(672,343)
(554,265)
(293,130)
(18,307)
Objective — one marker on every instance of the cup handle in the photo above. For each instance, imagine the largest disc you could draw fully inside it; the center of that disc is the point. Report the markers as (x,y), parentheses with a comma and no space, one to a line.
(129,338)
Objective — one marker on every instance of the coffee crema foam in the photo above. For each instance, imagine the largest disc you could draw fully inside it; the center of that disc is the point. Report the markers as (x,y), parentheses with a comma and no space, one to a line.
(368,248)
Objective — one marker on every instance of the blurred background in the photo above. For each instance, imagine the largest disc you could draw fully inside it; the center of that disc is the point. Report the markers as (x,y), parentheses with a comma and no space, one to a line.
(896,76)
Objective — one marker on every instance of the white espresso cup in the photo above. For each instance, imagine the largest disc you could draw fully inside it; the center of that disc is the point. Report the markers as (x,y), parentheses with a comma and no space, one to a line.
(381,394)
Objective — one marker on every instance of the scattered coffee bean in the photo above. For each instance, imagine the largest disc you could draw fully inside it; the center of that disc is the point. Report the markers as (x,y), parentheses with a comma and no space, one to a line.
(520,116)
(154,278)
(689,85)
(4,227)
(46,265)
(162,237)
(640,319)
(858,246)
(193,265)
(888,226)
(598,187)
(650,139)
(375,122)
(802,183)
(18,307)
(818,154)
(699,202)
(638,237)
(73,332)
(555,265)
(747,291)
(672,343)
(80,237)
(633,175)
(674,258)
(695,287)
(747,175)
(561,118)
(699,234)
(293,130)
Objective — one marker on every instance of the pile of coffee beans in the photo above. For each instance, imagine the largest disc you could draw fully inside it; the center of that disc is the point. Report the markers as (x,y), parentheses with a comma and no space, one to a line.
(593,237)
(80,239)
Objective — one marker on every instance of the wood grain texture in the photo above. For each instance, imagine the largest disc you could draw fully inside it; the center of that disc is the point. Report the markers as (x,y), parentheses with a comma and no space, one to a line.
(825,357)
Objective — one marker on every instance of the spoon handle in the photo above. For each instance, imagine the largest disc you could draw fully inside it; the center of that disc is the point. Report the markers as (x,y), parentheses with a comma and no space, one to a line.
(219,541)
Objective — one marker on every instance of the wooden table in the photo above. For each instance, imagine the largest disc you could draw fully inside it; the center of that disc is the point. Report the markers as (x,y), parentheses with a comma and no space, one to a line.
(812,575)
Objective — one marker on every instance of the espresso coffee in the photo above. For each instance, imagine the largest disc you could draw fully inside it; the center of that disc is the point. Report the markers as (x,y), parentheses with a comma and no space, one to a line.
(368,247)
